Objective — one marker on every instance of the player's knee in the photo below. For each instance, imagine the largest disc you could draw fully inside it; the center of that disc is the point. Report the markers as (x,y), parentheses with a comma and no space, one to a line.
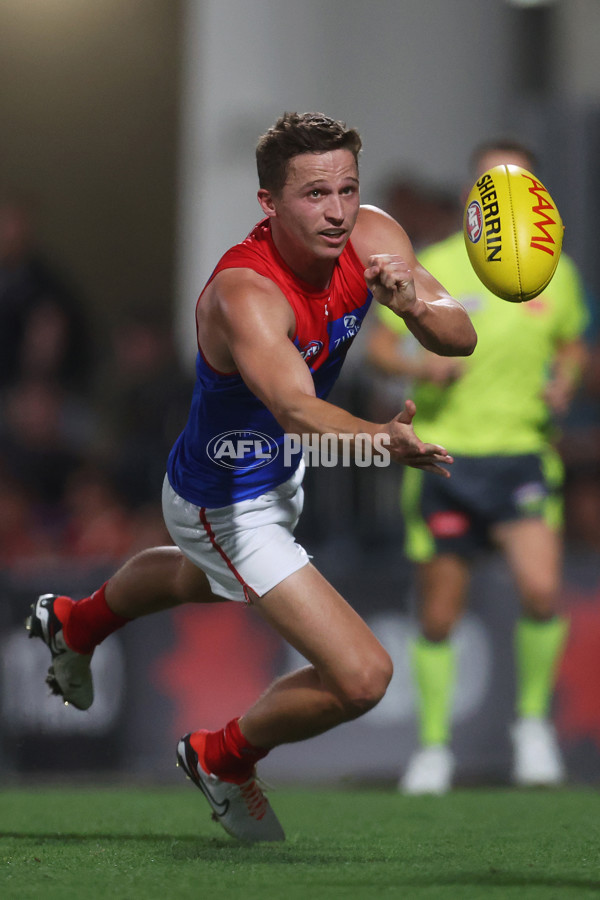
(541,604)
(437,632)
(540,595)
(438,626)
(367,686)
(439,614)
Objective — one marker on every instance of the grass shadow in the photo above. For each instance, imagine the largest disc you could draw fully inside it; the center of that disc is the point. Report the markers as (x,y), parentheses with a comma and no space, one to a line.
(300,851)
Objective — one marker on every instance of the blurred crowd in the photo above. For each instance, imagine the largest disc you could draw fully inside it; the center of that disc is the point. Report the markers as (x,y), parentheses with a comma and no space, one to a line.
(85,430)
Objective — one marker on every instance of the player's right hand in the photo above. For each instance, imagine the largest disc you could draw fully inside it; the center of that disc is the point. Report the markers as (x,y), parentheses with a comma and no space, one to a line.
(391,282)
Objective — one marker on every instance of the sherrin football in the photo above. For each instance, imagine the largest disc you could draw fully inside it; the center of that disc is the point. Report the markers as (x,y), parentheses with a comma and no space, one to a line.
(513,233)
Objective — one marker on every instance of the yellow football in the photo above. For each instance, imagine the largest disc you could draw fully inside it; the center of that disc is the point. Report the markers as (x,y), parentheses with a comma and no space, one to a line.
(513,233)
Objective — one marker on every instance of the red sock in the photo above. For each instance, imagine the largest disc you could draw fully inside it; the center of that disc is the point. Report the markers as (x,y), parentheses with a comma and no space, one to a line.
(87,622)
(227,753)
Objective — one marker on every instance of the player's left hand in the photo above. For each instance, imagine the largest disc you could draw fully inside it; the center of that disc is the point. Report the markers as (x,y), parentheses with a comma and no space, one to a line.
(390,281)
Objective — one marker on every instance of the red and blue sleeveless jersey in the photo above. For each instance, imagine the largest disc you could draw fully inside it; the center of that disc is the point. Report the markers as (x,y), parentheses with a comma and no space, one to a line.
(232,448)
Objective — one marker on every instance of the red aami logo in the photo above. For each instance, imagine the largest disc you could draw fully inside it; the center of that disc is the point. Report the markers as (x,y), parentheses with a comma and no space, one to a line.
(537,306)
(448,524)
(539,240)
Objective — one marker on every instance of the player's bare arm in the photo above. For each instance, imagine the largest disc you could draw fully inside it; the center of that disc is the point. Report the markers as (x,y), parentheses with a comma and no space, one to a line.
(569,362)
(397,280)
(245,324)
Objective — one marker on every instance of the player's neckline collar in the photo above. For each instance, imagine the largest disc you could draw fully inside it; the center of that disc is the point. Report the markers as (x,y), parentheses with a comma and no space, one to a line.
(305,286)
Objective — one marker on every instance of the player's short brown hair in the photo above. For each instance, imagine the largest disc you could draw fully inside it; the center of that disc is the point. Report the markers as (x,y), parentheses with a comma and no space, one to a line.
(296,133)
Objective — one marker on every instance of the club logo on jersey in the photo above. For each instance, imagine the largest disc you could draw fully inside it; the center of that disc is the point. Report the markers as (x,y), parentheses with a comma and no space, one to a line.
(311,350)
(242,449)
(474,221)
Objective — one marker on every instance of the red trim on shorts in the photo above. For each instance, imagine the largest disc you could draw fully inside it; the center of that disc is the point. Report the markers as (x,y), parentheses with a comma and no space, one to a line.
(211,535)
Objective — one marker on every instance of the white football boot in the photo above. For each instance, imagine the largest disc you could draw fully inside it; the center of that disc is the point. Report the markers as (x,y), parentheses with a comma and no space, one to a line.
(242,809)
(69,675)
(429,771)
(537,757)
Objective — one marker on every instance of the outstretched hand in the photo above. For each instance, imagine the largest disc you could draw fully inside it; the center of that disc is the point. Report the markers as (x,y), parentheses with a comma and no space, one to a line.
(406,448)
(390,281)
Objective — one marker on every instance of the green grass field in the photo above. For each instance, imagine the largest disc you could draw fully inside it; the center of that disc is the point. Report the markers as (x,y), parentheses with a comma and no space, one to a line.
(160,843)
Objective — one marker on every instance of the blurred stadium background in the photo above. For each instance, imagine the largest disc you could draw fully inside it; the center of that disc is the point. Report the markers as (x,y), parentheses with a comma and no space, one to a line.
(127,137)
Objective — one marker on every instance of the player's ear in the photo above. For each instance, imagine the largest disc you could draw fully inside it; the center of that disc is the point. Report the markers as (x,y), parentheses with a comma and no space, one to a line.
(265,198)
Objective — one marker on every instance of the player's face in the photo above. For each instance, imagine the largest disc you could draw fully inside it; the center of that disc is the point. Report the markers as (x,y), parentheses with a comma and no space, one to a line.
(317,208)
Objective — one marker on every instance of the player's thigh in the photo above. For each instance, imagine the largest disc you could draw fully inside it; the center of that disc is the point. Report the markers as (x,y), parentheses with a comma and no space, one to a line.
(533,551)
(313,617)
(193,584)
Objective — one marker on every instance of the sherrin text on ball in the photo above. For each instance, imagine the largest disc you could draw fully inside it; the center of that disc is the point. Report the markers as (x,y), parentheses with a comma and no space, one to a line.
(513,233)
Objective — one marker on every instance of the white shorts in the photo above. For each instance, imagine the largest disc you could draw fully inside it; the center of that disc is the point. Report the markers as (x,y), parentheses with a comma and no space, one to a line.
(249,544)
